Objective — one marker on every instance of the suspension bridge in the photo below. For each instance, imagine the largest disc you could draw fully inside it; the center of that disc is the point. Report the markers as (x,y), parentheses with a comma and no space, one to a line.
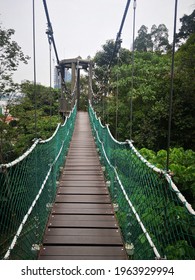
(81,194)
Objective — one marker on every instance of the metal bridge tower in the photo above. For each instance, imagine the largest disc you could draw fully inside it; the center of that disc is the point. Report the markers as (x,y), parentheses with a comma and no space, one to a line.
(75,64)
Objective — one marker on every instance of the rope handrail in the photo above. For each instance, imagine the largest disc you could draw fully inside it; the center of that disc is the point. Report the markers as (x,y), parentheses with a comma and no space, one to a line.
(129,201)
(167,176)
(14,162)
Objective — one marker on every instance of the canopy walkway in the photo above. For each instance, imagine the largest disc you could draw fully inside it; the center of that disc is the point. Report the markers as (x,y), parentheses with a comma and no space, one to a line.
(78,222)
(82,224)
(63,200)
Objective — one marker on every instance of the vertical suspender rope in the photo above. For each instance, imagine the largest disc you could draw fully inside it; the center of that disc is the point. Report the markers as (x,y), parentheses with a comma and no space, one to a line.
(34,66)
(103,99)
(50,91)
(132,74)
(35,90)
(107,94)
(116,116)
(171,91)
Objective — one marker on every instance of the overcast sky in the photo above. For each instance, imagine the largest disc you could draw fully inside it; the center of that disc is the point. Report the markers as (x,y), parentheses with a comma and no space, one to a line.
(80,27)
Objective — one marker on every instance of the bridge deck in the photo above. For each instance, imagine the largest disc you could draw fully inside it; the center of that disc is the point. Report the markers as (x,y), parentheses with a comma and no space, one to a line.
(82,224)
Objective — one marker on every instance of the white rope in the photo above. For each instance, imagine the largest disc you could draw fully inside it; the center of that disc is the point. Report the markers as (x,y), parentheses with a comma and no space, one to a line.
(167,176)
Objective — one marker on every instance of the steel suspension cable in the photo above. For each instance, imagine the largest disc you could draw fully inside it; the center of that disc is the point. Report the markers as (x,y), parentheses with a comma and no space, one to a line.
(35,92)
(172,87)
(34,70)
(118,37)
(50,35)
(50,30)
(132,73)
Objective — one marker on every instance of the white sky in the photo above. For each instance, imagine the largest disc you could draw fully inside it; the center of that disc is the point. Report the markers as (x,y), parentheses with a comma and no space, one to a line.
(80,27)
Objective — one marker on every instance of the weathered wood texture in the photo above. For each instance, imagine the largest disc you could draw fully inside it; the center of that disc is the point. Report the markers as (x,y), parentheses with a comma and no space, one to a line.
(82,224)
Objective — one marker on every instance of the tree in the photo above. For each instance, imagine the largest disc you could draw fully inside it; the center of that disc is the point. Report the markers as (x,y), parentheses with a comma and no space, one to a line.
(102,75)
(156,40)
(151,98)
(17,136)
(184,110)
(187,28)
(10,57)
(143,42)
(159,37)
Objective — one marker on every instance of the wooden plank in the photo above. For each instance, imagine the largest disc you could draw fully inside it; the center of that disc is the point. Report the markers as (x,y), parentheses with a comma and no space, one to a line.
(82,232)
(82,208)
(83,198)
(87,159)
(82,156)
(84,224)
(88,205)
(83,251)
(92,211)
(81,217)
(82,148)
(82,184)
(82,162)
(85,143)
(89,153)
(82,190)
(82,177)
(78,167)
(75,257)
(83,172)
(77,151)
(82,240)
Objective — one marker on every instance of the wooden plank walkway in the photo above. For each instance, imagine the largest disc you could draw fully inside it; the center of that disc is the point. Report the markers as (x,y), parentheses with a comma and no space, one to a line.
(82,224)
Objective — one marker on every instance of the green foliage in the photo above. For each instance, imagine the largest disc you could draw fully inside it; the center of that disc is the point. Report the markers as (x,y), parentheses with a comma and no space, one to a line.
(10,57)
(178,250)
(187,28)
(83,93)
(149,102)
(150,90)
(102,59)
(156,40)
(18,136)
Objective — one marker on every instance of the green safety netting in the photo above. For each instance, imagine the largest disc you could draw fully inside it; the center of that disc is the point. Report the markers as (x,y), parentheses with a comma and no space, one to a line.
(155,219)
(27,191)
